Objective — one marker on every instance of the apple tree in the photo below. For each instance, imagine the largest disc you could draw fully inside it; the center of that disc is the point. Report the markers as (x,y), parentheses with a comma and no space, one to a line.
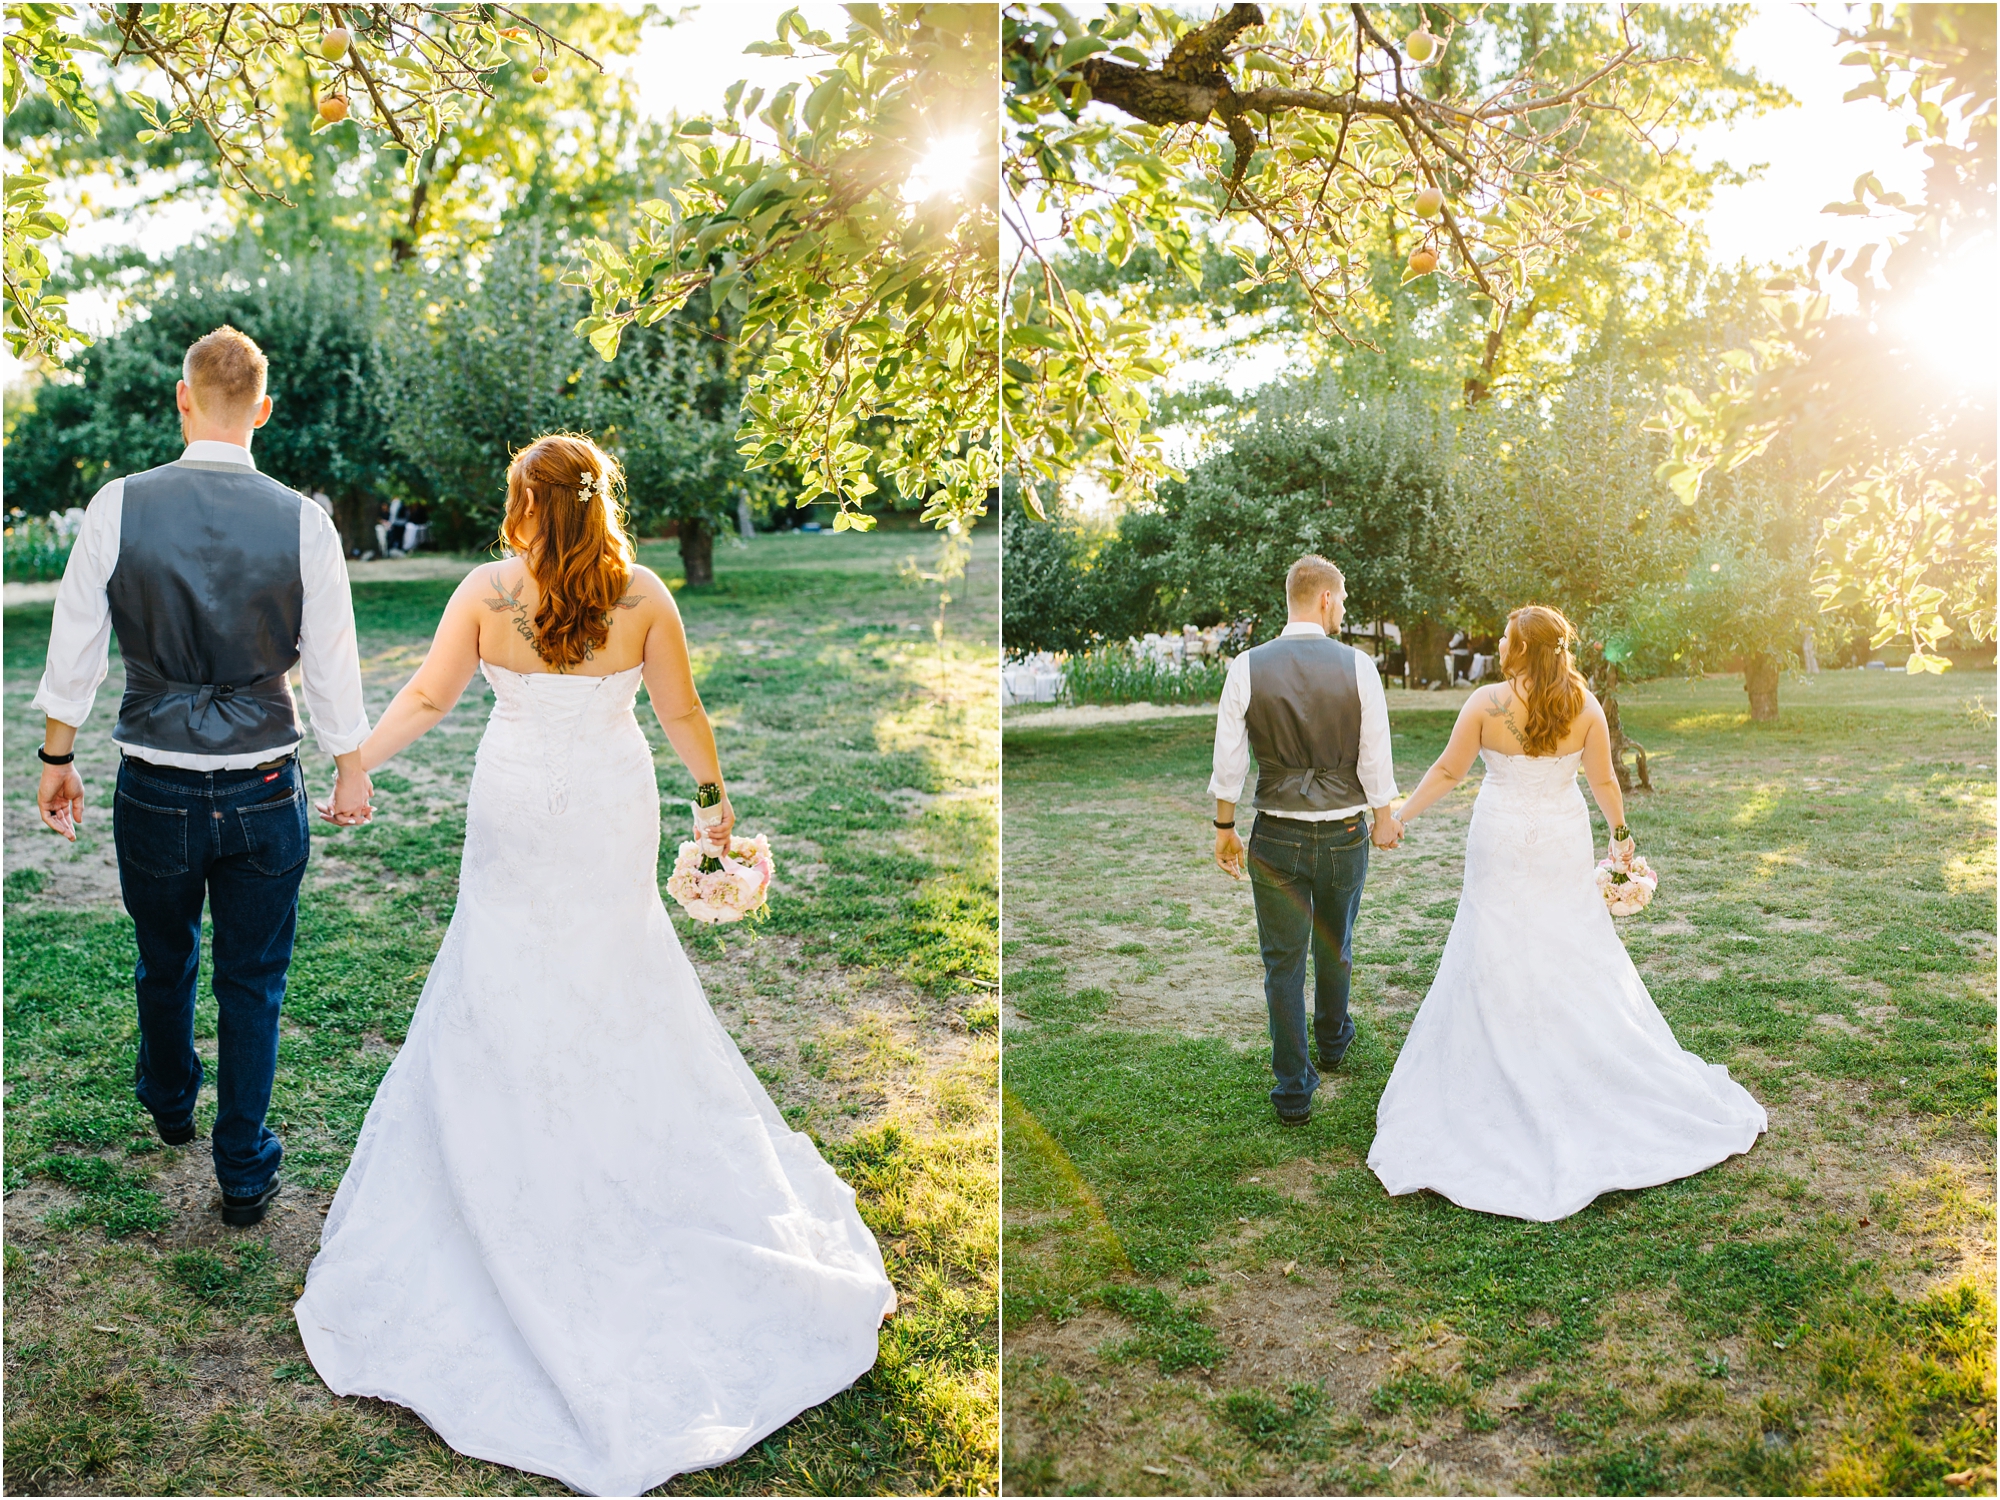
(850,221)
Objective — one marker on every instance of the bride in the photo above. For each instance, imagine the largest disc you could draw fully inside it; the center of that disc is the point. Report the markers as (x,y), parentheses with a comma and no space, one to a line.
(576,1237)
(1538,1072)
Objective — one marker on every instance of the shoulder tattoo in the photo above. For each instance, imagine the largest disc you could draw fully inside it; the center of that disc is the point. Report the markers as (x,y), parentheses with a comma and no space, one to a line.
(1497,708)
(514,605)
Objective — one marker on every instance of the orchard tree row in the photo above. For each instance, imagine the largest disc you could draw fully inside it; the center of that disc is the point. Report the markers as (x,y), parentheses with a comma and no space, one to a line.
(777,314)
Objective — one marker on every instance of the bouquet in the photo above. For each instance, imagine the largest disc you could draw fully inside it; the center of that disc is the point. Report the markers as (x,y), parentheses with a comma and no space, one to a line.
(1627,884)
(726,886)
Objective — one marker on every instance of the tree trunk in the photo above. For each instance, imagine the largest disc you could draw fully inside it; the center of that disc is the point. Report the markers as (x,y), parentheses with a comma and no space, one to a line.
(354,519)
(698,553)
(1604,683)
(1423,648)
(1760,681)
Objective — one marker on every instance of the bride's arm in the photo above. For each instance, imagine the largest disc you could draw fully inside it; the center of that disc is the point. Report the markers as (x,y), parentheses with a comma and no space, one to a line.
(427,697)
(1603,775)
(1450,768)
(676,703)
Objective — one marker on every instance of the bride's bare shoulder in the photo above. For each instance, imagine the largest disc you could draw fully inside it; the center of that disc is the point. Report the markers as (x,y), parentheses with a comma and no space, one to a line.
(491,581)
(646,586)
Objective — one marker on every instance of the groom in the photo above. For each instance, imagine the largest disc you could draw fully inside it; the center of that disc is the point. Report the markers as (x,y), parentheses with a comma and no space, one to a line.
(1312,708)
(217,581)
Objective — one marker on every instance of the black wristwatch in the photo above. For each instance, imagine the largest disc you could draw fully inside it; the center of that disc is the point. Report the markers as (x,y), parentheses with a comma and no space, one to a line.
(1230,824)
(54,760)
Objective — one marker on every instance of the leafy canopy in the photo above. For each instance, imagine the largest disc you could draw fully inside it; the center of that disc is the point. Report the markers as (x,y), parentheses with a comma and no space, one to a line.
(403,72)
(1303,145)
(876,299)
(1891,402)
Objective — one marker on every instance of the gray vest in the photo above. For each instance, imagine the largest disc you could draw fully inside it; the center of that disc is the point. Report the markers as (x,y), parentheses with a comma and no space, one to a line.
(1305,725)
(206,601)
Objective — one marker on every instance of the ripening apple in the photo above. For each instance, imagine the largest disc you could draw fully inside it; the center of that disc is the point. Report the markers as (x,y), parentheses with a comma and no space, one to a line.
(1423,260)
(333,46)
(1624,231)
(1430,202)
(333,109)
(1420,44)
(540,75)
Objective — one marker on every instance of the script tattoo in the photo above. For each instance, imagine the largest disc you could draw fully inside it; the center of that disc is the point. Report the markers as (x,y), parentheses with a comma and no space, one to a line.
(524,626)
(1496,708)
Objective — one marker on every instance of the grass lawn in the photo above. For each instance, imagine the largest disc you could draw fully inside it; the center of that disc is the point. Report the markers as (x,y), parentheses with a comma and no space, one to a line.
(151,1351)
(1201,1301)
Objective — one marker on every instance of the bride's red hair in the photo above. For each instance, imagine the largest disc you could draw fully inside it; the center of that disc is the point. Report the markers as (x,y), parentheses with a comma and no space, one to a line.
(581,557)
(1538,660)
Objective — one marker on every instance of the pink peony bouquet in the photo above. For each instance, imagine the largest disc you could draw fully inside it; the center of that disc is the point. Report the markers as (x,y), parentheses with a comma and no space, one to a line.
(1627,884)
(725,887)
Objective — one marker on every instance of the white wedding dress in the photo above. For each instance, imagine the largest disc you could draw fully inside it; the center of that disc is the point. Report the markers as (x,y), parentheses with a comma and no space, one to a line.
(576,1237)
(1538,1072)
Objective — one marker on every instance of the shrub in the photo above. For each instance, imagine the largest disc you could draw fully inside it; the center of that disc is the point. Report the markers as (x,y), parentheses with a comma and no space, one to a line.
(37,548)
(1117,674)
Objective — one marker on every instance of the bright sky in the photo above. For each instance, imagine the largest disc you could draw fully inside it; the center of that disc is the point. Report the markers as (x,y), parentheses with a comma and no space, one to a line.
(1814,151)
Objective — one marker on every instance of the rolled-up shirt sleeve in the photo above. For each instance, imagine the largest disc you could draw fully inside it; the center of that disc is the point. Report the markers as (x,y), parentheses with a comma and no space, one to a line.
(1375,766)
(329,650)
(80,631)
(1232,735)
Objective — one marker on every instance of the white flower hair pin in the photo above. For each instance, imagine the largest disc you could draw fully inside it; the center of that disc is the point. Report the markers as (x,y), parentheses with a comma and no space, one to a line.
(594,485)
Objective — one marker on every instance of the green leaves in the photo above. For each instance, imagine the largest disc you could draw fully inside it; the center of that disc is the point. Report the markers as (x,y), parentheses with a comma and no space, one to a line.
(1291,144)
(1906,445)
(224,72)
(873,314)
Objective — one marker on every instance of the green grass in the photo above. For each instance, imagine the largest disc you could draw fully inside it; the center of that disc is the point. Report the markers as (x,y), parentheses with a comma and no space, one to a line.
(1814,1317)
(150,1351)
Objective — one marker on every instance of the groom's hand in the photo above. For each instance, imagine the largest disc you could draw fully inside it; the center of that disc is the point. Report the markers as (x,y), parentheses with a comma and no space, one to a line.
(1229,852)
(61,800)
(353,792)
(1388,833)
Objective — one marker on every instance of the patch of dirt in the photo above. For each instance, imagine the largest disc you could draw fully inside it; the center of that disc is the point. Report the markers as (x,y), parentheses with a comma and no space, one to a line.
(1279,1331)
(1206,949)
(850,1048)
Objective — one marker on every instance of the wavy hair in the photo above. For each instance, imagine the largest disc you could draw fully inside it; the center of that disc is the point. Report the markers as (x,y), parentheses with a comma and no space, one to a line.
(1551,687)
(581,558)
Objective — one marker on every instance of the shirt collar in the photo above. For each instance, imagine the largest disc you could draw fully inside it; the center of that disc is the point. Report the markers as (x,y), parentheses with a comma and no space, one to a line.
(209,451)
(1303,627)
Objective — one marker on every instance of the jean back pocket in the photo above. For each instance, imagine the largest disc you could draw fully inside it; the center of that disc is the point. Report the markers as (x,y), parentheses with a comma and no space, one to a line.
(152,840)
(276,835)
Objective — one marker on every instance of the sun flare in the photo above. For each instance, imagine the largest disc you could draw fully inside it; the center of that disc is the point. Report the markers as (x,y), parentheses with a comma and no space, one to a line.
(942,169)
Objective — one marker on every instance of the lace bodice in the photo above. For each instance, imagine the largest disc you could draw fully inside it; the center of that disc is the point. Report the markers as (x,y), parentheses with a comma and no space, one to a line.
(543,719)
(1527,780)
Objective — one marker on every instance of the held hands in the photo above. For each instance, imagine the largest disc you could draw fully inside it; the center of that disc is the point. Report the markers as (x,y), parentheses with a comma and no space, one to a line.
(351,803)
(61,800)
(1229,852)
(1388,832)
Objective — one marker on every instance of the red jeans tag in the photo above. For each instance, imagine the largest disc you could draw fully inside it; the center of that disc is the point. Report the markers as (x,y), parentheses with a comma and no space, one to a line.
(274,776)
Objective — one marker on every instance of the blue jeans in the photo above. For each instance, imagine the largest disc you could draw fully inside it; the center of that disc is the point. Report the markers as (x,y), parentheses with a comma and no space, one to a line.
(1306,879)
(238,838)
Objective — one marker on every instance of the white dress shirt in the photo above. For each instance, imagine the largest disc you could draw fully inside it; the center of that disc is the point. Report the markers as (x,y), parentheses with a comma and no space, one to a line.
(329,654)
(1232,737)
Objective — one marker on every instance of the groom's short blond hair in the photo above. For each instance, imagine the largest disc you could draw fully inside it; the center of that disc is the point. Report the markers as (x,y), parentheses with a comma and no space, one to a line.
(225,373)
(1309,577)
